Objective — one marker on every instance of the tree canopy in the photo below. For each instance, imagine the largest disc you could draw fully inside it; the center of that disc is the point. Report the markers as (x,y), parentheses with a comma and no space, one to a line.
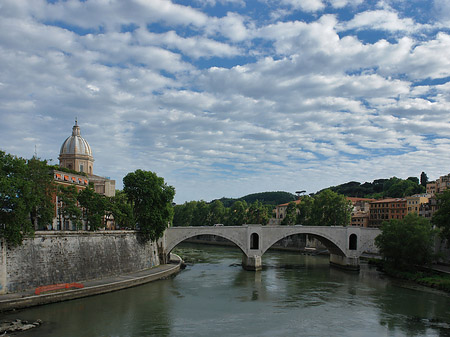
(382,188)
(151,200)
(441,218)
(26,188)
(407,242)
(201,213)
(328,208)
(266,198)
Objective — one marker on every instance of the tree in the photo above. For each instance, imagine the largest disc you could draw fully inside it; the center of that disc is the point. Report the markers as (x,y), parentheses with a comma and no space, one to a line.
(305,210)
(441,218)
(14,190)
(26,189)
(151,199)
(122,210)
(42,191)
(200,214)
(216,212)
(237,214)
(330,209)
(291,214)
(423,179)
(69,210)
(184,214)
(407,242)
(258,213)
(95,206)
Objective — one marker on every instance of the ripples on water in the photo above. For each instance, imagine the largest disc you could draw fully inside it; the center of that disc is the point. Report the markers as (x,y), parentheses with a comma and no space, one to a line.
(294,295)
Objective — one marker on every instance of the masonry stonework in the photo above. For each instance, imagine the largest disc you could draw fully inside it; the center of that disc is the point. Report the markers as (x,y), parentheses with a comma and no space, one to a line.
(61,257)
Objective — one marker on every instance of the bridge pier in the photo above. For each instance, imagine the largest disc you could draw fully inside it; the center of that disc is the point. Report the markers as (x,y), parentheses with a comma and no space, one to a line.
(252,263)
(344,262)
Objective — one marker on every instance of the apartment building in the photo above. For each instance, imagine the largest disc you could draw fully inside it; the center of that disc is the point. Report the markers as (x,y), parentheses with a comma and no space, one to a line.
(385,210)
(413,202)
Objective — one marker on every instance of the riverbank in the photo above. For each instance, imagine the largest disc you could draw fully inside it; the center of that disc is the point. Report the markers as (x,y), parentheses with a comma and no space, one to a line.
(27,298)
(434,277)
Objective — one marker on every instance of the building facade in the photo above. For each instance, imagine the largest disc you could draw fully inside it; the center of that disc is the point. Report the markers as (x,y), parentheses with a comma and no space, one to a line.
(385,210)
(414,202)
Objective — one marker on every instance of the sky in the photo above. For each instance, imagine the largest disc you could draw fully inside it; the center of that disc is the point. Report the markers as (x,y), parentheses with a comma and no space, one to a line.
(224,98)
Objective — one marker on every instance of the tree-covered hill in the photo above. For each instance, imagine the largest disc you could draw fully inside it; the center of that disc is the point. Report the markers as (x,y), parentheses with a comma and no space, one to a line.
(266,198)
(380,188)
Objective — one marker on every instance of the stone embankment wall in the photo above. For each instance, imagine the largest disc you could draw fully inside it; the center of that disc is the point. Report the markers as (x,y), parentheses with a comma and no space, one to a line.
(53,257)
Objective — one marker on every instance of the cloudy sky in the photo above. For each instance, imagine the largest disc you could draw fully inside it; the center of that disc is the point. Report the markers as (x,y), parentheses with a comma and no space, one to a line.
(231,97)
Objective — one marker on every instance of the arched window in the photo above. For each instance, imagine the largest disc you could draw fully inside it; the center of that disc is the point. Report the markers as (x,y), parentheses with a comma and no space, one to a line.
(353,242)
(254,241)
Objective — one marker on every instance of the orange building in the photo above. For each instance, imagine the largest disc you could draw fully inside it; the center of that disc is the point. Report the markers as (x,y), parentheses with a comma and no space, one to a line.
(385,210)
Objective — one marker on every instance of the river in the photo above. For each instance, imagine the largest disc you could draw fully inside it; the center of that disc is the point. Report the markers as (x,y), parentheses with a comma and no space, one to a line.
(294,295)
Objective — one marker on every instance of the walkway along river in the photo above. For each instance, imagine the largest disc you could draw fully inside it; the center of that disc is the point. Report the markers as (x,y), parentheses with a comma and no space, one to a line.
(294,295)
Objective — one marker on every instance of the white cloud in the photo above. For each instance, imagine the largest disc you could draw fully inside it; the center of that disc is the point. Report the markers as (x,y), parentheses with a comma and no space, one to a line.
(343,3)
(387,20)
(305,5)
(300,99)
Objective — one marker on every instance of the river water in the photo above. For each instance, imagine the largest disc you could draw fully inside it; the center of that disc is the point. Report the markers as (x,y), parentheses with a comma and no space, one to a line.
(294,295)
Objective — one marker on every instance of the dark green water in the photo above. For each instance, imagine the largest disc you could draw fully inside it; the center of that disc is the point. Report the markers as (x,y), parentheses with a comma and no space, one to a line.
(294,295)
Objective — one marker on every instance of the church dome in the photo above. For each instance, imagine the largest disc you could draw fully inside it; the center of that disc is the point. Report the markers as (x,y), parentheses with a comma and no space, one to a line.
(75,144)
(76,154)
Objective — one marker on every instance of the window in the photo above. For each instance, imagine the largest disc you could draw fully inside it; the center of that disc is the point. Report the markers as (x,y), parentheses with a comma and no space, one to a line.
(353,242)
(254,241)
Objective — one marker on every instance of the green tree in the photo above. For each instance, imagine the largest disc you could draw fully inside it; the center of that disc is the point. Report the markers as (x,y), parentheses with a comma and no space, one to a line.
(122,211)
(216,212)
(441,218)
(330,209)
(26,190)
(407,242)
(151,199)
(95,206)
(423,179)
(237,214)
(258,213)
(200,214)
(305,210)
(43,189)
(184,214)
(291,214)
(14,192)
(69,210)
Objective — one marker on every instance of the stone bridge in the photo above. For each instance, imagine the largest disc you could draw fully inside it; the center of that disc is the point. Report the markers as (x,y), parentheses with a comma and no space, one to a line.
(345,244)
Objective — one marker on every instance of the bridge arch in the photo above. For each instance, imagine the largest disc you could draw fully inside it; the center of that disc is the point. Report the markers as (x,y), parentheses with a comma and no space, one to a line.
(329,242)
(175,239)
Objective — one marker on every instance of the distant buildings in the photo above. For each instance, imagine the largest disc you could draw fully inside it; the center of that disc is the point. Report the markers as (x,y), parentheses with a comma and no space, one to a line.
(372,212)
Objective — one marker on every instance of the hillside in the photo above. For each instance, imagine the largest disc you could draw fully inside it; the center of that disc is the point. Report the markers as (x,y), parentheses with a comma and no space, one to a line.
(380,188)
(266,198)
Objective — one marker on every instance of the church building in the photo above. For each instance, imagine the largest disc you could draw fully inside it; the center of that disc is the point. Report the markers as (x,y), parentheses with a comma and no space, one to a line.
(76,156)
